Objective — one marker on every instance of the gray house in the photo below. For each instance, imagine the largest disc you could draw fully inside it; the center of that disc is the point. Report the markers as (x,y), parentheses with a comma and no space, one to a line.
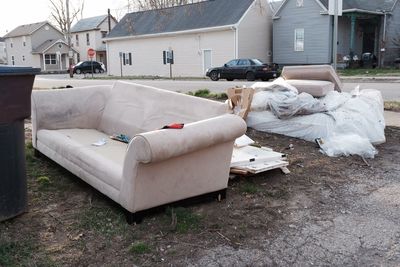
(38,45)
(3,53)
(303,31)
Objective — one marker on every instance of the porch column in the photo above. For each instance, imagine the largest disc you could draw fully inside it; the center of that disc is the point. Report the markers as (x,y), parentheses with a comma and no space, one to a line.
(44,61)
(352,33)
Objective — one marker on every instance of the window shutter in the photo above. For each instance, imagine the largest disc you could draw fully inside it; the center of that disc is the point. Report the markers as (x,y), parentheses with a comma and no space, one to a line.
(172,57)
(130,58)
(165,57)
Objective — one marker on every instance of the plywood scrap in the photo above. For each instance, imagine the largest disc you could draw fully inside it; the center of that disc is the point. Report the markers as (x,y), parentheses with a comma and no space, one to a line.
(252,160)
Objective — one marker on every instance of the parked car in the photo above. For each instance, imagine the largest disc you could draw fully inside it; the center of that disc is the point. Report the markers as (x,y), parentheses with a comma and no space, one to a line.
(86,67)
(244,68)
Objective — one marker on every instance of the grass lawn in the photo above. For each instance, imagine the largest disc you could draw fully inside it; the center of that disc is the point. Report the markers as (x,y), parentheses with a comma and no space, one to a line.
(370,72)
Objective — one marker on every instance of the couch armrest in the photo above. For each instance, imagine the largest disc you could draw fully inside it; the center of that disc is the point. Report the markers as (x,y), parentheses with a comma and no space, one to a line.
(160,145)
(68,108)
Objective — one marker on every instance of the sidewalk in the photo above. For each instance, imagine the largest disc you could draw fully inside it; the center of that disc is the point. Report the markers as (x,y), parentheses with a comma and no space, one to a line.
(392,118)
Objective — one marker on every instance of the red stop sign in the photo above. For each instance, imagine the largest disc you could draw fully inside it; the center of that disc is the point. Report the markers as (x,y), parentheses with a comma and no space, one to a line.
(91,52)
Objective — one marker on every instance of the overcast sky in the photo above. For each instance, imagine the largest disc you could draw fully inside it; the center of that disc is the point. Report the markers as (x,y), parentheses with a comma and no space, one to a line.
(18,12)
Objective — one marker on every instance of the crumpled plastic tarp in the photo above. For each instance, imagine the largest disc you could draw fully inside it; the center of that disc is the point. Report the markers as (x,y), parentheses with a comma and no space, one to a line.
(349,118)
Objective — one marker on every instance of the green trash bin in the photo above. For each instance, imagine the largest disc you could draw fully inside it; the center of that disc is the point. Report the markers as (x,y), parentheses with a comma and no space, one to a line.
(15,106)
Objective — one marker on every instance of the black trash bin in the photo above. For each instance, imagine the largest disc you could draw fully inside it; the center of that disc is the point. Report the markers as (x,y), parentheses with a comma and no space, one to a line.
(15,105)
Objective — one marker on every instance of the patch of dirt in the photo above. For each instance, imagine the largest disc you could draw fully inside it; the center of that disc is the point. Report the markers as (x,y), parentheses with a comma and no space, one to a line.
(327,211)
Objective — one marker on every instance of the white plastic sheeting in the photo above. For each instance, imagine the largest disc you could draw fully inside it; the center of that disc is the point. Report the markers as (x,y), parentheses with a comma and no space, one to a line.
(355,120)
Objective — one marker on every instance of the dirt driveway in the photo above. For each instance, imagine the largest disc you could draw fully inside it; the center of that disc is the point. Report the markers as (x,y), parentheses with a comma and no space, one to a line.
(328,211)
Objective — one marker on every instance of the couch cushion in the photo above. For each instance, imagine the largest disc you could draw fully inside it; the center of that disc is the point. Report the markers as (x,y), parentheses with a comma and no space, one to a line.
(134,108)
(75,145)
(312,72)
(313,87)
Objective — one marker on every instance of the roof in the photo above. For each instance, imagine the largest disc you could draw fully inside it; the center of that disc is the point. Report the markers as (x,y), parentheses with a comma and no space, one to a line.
(367,5)
(26,29)
(206,14)
(47,45)
(377,6)
(88,24)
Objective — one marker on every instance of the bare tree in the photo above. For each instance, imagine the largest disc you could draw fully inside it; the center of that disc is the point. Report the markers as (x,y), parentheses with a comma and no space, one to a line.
(59,13)
(134,5)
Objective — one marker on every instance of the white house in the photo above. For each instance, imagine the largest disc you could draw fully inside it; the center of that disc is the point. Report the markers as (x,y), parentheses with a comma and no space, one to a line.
(38,45)
(3,53)
(89,33)
(199,36)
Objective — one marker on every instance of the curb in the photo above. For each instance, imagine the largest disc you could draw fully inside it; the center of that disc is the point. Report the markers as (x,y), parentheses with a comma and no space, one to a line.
(392,79)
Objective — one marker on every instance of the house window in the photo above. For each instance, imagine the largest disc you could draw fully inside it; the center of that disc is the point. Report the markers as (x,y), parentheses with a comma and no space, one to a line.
(87,39)
(103,34)
(23,40)
(77,40)
(127,58)
(23,58)
(12,60)
(299,40)
(299,3)
(11,43)
(50,59)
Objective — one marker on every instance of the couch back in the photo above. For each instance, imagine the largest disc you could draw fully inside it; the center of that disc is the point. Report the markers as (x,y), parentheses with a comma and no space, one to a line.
(134,108)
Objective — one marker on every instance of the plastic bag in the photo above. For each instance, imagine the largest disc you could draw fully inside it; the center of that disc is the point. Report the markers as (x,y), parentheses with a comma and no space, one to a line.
(286,106)
(360,114)
(348,144)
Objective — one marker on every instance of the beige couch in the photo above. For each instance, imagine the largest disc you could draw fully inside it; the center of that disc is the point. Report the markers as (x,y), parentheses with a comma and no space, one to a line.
(157,166)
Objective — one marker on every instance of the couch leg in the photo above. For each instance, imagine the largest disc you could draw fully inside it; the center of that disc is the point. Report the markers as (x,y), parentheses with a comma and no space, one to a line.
(221,195)
(134,218)
(37,153)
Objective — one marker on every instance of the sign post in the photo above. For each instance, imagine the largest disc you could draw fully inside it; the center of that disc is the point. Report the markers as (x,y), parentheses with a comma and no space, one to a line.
(120,61)
(335,9)
(91,53)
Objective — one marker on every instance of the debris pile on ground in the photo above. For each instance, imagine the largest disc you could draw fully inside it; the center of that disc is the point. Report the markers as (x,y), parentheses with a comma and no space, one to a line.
(354,119)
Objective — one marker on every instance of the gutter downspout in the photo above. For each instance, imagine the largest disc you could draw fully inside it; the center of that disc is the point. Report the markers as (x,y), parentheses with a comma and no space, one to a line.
(108,59)
(236,47)
(383,48)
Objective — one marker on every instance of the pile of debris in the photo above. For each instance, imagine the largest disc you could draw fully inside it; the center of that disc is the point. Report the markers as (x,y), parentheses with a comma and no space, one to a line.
(315,109)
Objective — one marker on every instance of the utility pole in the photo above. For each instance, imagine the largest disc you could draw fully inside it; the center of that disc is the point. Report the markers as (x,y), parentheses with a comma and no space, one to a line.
(70,53)
(109,20)
(335,34)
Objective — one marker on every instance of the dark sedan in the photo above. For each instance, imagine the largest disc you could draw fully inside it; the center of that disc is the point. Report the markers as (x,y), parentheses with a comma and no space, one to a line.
(88,67)
(250,69)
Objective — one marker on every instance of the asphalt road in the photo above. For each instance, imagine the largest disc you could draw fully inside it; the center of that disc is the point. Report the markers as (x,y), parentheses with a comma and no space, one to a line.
(390,88)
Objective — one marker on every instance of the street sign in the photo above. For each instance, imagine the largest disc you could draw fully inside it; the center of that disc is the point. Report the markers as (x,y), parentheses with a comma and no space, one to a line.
(91,53)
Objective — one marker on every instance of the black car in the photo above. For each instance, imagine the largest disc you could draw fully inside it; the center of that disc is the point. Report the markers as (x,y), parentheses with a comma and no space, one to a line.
(86,67)
(245,68)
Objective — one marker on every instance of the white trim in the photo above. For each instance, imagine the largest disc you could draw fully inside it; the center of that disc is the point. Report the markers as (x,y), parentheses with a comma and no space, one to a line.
(154,35)
(321,5)
(44,61)
(51,45)
(236,36)
(358,10)
(211,60)
(285,1)
(108,59)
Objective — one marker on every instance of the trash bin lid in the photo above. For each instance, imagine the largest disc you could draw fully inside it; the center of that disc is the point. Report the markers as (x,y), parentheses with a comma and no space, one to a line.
(18,70)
